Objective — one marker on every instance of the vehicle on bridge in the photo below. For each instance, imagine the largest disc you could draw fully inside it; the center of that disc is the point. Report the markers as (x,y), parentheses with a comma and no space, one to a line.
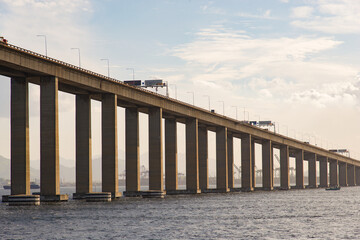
(3,40)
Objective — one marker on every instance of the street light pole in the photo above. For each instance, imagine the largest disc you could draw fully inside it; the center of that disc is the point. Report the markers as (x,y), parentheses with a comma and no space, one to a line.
(193,95)
(208,100)
(223,107)
(175,90)
(236,112)
(44,36)
(79,55)
(106,59)
(133,70)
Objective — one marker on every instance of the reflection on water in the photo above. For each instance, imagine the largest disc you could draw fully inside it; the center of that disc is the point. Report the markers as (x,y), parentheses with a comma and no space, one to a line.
(295,214)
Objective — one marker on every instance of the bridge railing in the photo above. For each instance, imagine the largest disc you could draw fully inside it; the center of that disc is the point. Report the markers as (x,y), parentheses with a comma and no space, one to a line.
(105,77)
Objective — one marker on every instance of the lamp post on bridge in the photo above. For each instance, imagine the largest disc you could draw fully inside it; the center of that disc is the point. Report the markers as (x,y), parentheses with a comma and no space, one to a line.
(44,36)
(79,55)
(223,107)
(108,65)
(208,101)
(175,90)
(236,111)
(133,70)
(193,97)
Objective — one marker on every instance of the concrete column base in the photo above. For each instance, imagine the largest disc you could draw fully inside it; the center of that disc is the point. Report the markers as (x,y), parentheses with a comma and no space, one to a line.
(311,186)
(79,196)
(145,194)
(54,198)
(216,190)
(21,200)
(153,194)
(132,193)
(182,192)
(98,197)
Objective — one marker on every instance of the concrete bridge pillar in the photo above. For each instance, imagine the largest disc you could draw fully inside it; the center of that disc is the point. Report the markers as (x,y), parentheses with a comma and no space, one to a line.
(230,150)
(334,177)
(49,139)
(323,171)
(155,150)
(351,174)
(357,176)
(343,174)
(253,166)
(109,145)
(284,167)
(132,146)
(20,166)
(192,158)
(312,170)
(171,156)
(221,159)
(267,165)
(299,161)
(83,146)
(203,159)
(246,163)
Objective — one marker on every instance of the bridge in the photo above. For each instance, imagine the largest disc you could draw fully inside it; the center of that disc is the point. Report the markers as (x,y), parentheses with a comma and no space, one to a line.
(24,67)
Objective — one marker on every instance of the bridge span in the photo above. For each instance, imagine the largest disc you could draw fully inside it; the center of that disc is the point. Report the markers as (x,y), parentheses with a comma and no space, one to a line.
(24,67)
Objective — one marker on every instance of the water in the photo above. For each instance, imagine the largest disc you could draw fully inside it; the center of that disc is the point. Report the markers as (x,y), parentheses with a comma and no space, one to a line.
(295,214)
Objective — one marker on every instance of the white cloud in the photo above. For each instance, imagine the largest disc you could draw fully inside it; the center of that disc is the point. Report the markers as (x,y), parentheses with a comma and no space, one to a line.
(302,12)
(331,16)
(60,21)
(279,68)
(339,93)
(264,15)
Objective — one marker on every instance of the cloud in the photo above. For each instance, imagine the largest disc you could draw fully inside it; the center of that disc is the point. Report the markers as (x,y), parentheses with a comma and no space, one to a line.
(221,59)
(330,16)
(302,12)
(339,94)
(264,15)
(60,21)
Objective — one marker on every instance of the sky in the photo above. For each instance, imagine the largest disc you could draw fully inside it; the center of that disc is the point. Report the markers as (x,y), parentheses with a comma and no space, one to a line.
(295,63)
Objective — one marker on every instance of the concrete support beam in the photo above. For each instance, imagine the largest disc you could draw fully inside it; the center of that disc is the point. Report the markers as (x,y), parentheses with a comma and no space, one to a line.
(312,171)
(192,159)
(155,150)
(203,159)
(132,146)
(343,174)
(49,137)
(323,171)
(20,165)
(83,145)
(109,145)
(351,175)
(221,159)
(230,150)
(284,167)
(334,177)
(357,176)
(171,156)
(299,161)
(253,168)
(246,163)
(267,165)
